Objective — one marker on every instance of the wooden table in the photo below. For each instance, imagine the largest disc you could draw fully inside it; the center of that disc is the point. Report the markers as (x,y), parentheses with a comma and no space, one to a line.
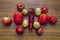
(51,32)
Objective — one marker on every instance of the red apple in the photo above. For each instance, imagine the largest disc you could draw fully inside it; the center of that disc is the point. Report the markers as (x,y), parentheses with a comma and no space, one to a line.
(18,14)
(43,19)
(6,20)
(18,20)
(39,31)
(19,30)
(20,6)
(18,17)
(53,20)
(44,9)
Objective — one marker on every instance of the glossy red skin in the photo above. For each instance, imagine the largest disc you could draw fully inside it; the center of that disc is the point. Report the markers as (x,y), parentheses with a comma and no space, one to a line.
(53,20)
(31,18)
(7,22)
(18,20)
(18,17)
(39,31)
(43,19)
(18,14)
(20,6)
(44,9)
(19,30)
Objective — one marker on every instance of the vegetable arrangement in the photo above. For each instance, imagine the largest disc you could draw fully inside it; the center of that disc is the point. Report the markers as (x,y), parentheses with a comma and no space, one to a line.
(41,13)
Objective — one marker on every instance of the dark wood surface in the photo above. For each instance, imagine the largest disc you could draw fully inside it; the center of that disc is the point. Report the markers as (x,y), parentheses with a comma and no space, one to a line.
(51,32)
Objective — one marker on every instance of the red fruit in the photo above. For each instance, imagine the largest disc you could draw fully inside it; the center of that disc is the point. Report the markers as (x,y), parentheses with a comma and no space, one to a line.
(31,18)
(44,9)
(19,30)
(18,20)
(53,20)
(18,14)
(18,17)
(6,20)
(39,31)
(43,19)
(20,6)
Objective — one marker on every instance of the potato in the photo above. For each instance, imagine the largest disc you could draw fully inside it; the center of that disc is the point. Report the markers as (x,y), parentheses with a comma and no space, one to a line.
(36,25)
(25,23)
(37,11)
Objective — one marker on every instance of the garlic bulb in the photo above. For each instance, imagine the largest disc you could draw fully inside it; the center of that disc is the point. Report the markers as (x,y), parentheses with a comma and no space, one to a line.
(25,12)
(25,23)
(36,25)
(37,11)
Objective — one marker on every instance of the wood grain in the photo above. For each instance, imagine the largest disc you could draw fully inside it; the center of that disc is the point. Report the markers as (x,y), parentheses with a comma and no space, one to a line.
(51,32)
